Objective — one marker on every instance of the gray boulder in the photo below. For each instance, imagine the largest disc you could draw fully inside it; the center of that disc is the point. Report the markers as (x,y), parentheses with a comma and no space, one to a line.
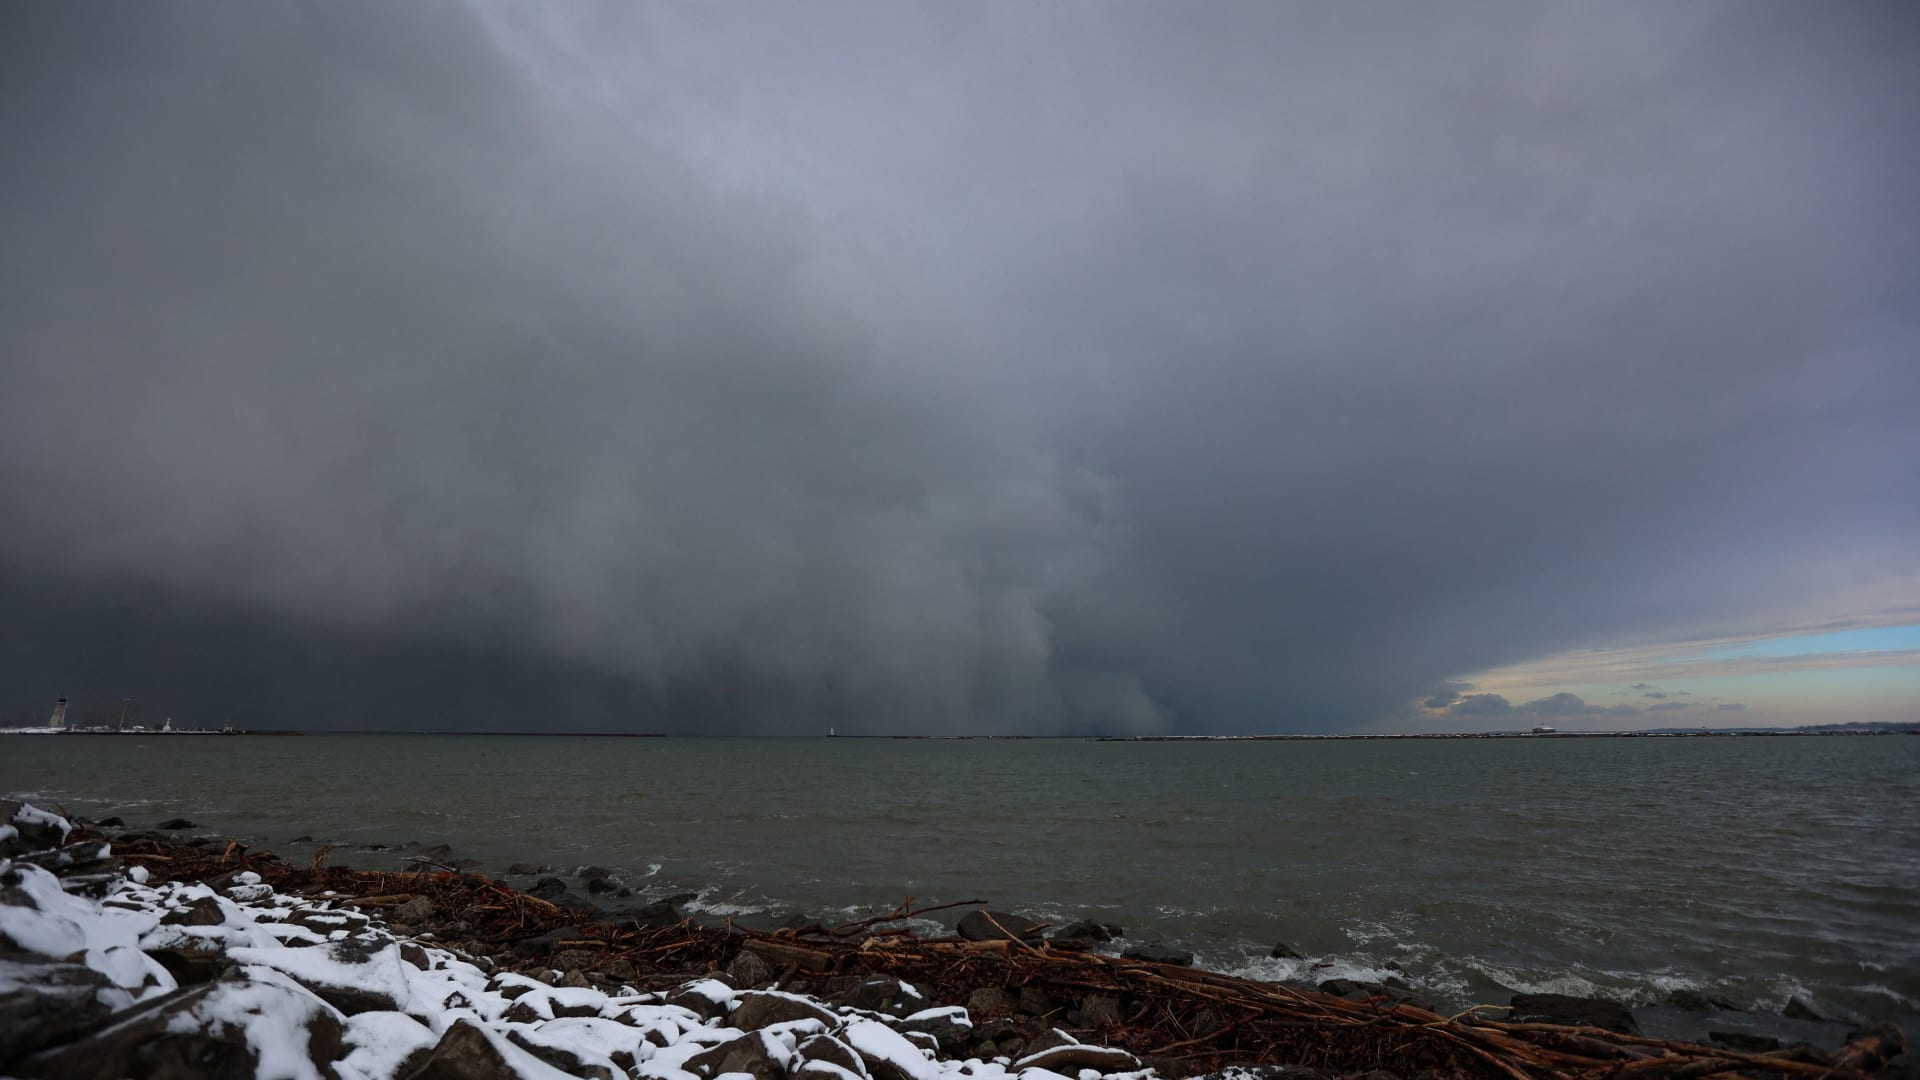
(749,969)
(990,1002)
(949,1028)
(880,995)
(205,911)
(986,925)
(46,1001)
(191,1035)
(88,855)
(746,1054)
(1156,953)
(465,1053)
(662,912)
(831,1050)
(758,1010)
(190,960)
(566,1061)
(418,909)
(34,829)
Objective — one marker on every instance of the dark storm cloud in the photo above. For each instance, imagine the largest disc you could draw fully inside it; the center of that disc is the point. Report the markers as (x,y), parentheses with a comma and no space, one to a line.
(1446,693)
(1482,705)
(1562,704)
(944,369)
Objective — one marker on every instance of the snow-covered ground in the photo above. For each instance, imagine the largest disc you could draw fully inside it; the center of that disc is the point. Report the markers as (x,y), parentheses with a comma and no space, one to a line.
(104,972)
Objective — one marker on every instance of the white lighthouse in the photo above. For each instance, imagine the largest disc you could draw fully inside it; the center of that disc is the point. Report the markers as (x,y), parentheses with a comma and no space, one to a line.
(59,720)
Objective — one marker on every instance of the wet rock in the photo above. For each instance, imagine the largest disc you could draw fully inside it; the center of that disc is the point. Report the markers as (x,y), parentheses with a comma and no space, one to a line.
(174,824)
(1800,1010)
(528,869)
(600,885)
(747,1054)
(664,912)
(1069,1060)
(1156,953)
(1745,1041)
(757,1010)
(303,838)
(46,1001)
(1695,1001)
(578,906)
(110,823)
(1084,933)
(1283,951)
(548,888)
(1573,1012)
(749,969)
(981,926)
(593,873)
(990,1002)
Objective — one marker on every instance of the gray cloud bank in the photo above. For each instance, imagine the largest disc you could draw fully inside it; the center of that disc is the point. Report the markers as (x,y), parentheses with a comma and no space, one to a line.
(932,369)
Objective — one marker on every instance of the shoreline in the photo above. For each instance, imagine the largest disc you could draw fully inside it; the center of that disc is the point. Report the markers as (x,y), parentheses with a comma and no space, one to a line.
(1196,1021)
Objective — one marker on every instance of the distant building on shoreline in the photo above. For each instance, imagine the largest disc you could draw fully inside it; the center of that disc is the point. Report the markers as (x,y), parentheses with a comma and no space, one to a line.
(59,714)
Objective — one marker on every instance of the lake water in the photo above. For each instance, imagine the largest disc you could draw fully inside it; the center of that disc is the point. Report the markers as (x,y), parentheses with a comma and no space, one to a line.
(1752,868)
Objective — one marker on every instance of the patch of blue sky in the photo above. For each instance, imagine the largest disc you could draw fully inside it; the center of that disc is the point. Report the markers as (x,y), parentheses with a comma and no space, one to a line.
(1872,639)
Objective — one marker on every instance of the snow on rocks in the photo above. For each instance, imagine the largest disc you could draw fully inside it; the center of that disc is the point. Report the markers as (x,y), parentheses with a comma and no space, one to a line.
(128,977)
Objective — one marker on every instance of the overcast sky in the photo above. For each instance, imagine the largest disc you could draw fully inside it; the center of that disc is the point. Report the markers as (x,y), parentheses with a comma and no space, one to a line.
(1115,367)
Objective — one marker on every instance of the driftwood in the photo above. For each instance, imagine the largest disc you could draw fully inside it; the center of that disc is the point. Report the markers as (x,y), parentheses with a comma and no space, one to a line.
(1184,1020)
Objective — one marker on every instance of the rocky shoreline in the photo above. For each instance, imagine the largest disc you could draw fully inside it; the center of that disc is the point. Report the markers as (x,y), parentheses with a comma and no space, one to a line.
(127,954)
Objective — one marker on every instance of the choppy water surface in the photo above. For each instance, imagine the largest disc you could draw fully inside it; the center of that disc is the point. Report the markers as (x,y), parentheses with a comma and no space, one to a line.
(1752,868)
